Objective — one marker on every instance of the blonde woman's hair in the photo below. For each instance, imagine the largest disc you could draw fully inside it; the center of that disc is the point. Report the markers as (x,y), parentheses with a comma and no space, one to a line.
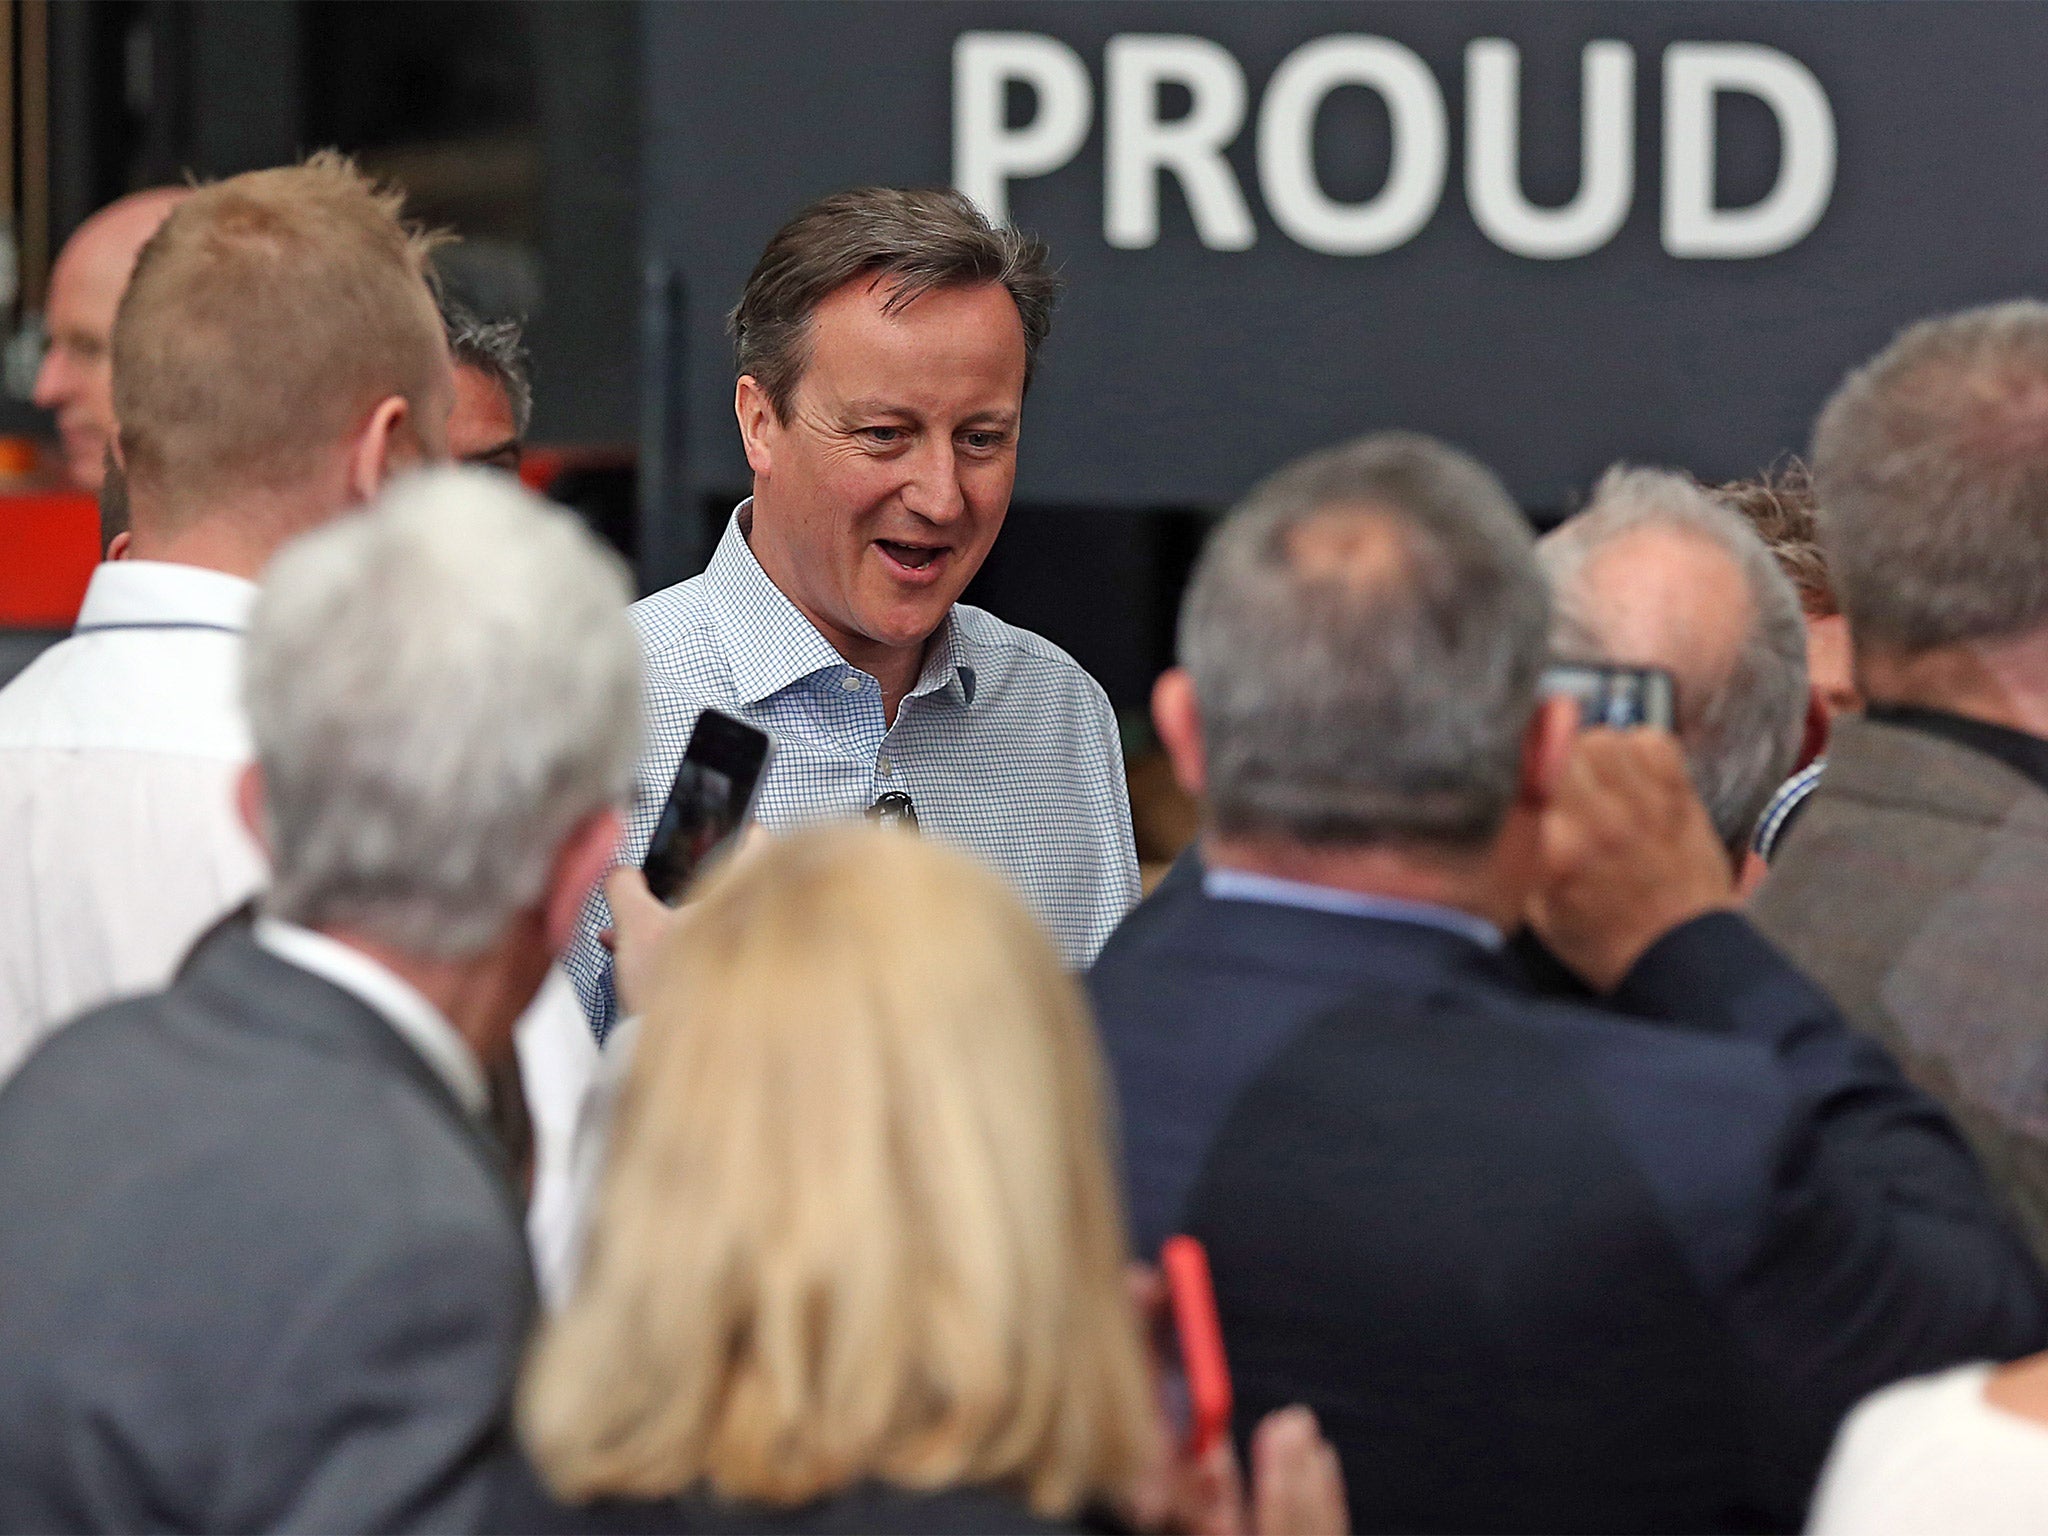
(265,320)
(859,1221)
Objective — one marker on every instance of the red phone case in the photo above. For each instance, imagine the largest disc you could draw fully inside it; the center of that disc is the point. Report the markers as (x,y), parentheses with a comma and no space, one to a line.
(1192,1296)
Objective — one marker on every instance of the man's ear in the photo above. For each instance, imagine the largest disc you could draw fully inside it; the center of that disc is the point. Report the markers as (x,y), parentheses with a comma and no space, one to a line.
(249,803)
(117,546)
(585,855)
(1177,717)
(757,418)
(1546,748)
(380,449)
(1813,740)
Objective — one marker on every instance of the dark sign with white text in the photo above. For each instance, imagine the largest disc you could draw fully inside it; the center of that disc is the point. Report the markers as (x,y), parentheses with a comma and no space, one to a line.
(1558,235)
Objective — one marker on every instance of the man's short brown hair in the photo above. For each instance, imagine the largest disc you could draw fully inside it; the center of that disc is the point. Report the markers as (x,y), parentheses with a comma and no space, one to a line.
(913,239)
(1780,506)
(265,319)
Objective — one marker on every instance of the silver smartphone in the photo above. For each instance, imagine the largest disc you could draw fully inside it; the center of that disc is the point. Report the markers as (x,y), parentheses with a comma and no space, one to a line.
(1616,698)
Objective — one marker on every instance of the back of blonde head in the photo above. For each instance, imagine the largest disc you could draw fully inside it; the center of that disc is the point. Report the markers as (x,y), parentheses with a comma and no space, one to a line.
(859,1221)
(265,321)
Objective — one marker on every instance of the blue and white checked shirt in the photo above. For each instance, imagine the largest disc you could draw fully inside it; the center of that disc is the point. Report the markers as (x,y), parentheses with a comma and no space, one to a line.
(1005,748)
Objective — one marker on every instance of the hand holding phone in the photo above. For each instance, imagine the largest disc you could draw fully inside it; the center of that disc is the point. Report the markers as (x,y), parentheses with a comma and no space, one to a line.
(713,793)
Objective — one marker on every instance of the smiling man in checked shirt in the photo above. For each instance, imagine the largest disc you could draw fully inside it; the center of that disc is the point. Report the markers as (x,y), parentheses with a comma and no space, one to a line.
(884,343)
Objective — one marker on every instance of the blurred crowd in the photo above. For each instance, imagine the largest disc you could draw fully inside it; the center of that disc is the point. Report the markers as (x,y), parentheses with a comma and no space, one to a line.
(1589,1122)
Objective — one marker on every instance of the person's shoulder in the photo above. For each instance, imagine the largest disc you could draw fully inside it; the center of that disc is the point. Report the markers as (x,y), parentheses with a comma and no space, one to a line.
(195,1075)
(1159,918)
(1931,1453)
(993,644)
(682,642)
(676,614)
(1906,1410)
(50,684)
(124,1038)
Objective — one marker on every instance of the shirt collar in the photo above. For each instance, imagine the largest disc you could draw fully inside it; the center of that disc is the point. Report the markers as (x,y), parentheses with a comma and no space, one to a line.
(391,997)
(946,667)
(1243,885)
(771,644)
(2023,753)
(153,594)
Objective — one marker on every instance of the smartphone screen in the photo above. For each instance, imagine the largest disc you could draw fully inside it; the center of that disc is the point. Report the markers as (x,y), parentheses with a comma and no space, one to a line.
(1616,698)
(714,789)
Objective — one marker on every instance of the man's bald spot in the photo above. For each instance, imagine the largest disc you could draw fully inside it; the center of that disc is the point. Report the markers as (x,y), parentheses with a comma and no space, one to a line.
(102,251)
(1362,544)
(1671,598)
(124,226)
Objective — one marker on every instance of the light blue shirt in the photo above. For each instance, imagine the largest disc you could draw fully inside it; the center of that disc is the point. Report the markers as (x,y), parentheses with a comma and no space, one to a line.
(1243,885)
(1005,746)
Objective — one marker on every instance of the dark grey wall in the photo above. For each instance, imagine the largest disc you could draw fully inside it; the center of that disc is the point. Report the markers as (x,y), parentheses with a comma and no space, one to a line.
(584,339)
(517,124)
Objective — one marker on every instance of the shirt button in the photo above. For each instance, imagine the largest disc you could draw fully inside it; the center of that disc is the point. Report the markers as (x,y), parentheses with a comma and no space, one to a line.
(850,682)
(883,766)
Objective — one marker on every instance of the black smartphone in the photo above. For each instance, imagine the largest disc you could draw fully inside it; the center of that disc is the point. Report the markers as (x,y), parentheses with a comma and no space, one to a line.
(714,790)
(1616,698)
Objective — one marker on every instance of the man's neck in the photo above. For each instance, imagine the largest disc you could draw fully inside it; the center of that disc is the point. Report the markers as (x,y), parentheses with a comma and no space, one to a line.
(481,996)
(896,668)
(236,536)
(1474,883)
(2000,682)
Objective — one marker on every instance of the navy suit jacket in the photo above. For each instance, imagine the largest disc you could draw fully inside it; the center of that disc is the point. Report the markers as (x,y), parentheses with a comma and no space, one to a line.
(1539,1265)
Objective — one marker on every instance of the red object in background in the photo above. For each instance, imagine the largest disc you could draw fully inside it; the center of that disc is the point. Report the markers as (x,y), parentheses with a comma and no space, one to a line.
(1192,1298)
(538,467)
(49,544)
(50,537)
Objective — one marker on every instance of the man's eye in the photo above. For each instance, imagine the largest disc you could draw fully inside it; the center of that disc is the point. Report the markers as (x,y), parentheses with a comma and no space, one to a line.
(882,435)
(983,442)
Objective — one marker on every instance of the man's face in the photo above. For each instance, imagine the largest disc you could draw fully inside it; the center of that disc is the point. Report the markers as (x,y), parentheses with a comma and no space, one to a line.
(481,428)
(879,498)
(1830,663)
(77,377)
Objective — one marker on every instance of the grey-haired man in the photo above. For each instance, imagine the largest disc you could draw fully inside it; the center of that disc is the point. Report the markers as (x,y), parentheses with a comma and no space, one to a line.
(1534,1264)
(263,1262)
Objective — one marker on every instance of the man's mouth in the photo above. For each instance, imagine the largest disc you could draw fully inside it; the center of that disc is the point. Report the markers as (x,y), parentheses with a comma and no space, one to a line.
(910,557)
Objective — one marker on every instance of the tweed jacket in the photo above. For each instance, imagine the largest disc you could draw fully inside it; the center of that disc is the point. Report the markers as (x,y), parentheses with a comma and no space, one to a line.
(1915,890)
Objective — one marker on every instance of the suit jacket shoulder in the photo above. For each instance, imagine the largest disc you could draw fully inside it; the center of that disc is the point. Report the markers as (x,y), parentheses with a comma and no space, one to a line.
(260,1269)
(1536,1264)
(1915,890)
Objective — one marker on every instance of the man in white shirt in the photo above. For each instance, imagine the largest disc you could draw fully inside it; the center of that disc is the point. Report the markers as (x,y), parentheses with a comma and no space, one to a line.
(262,1263)
(277,354)
(118,754)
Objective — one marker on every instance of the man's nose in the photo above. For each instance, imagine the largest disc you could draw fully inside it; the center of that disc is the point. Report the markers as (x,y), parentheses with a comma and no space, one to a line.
(53,381)
(933,491)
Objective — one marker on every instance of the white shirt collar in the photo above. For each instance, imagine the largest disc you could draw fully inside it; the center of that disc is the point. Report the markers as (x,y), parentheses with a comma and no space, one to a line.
(150,594)
(418,1022)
